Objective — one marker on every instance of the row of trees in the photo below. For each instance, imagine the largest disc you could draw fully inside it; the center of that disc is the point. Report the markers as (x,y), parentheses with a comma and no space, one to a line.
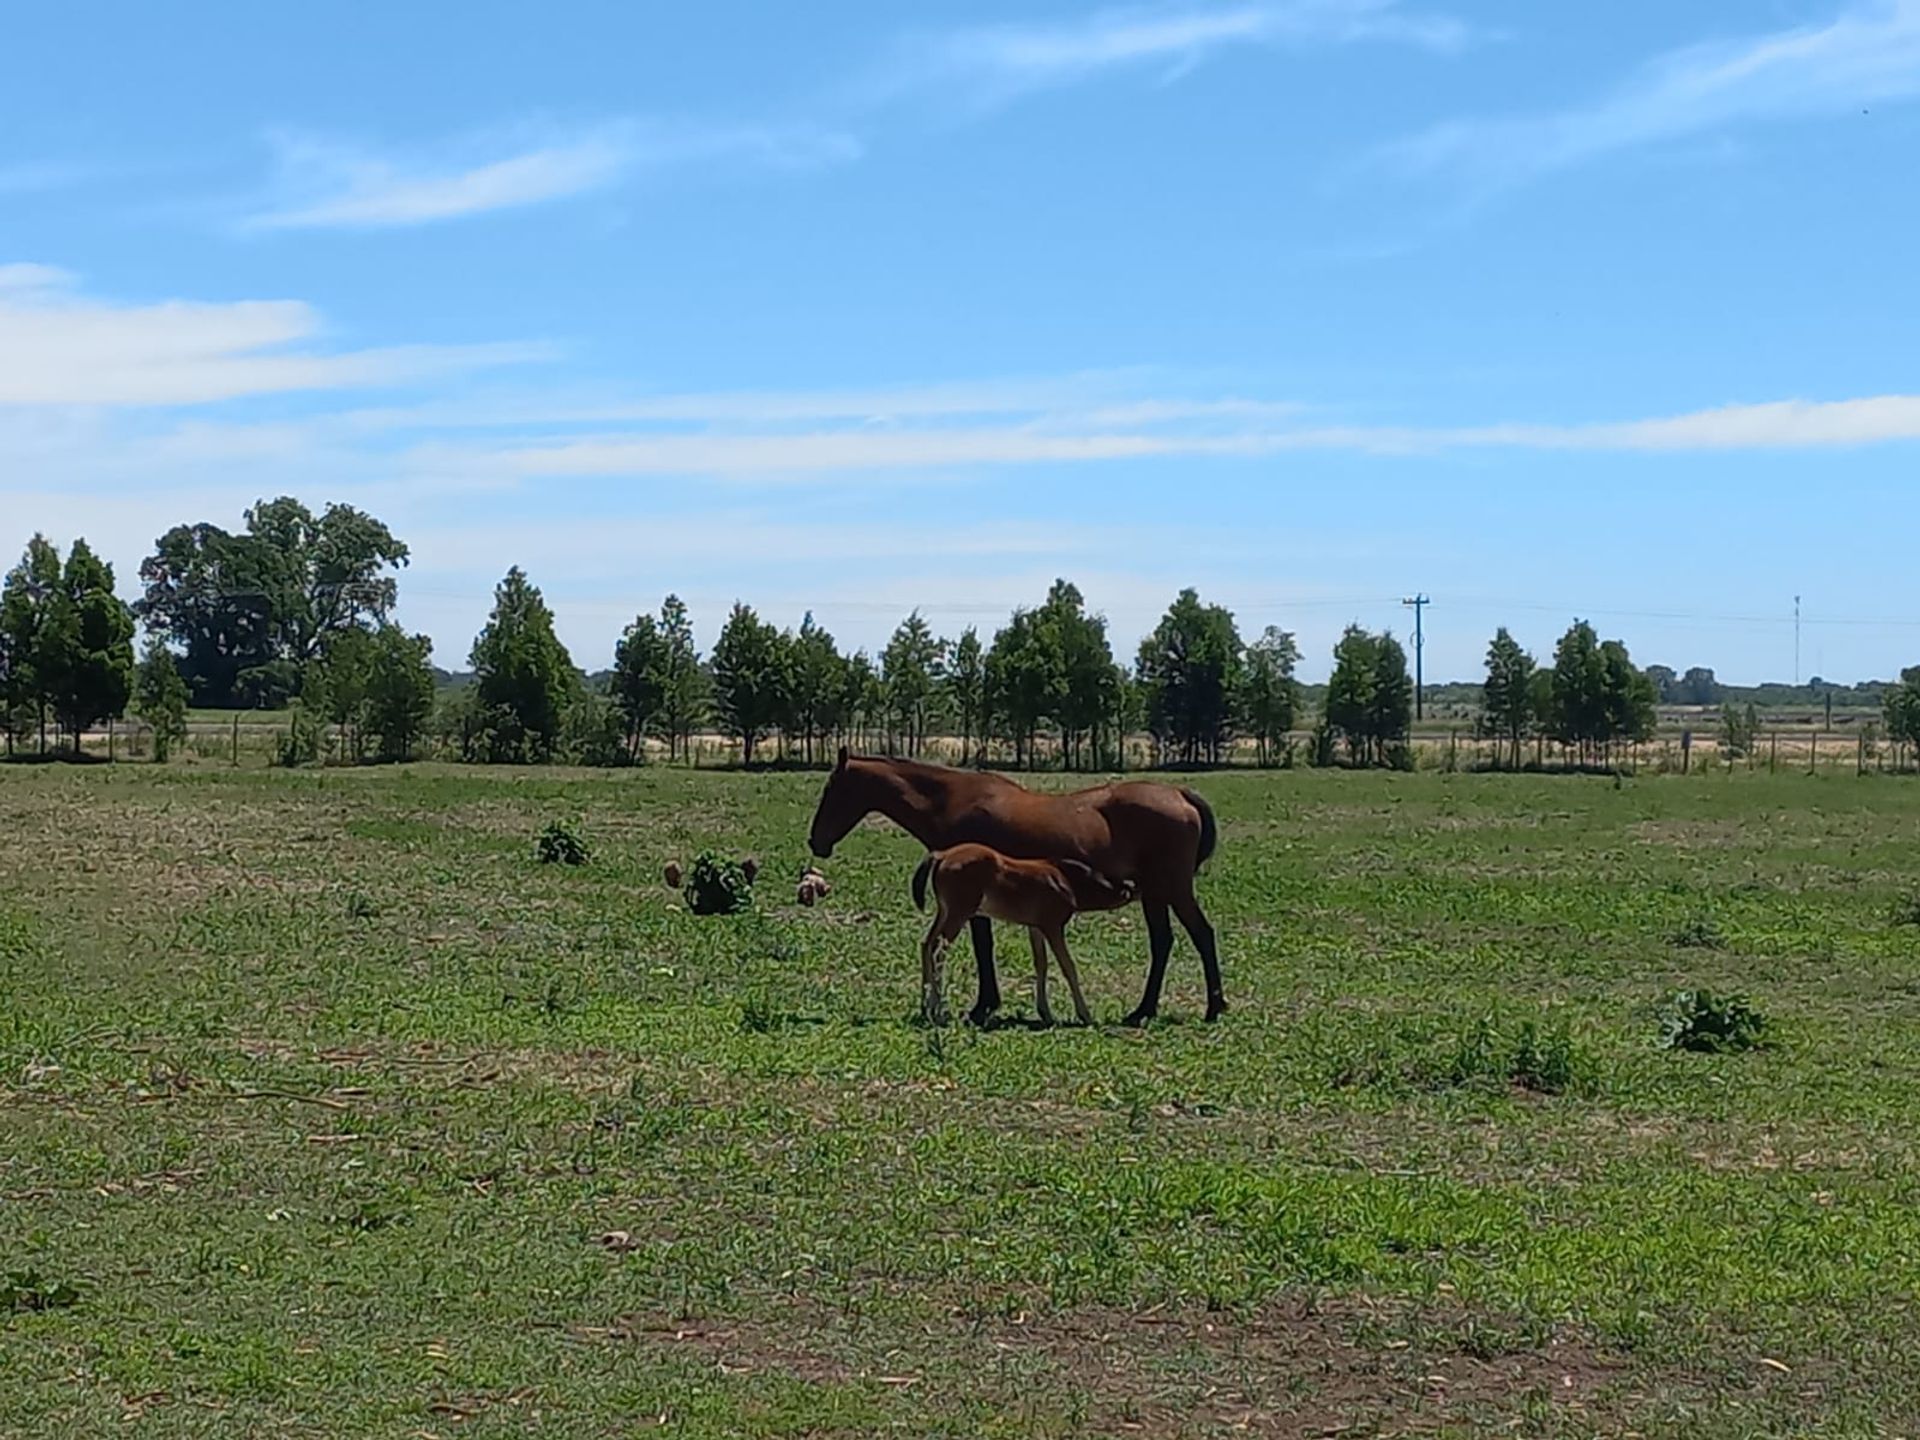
(66,645)
(1046,681)
(1591,700)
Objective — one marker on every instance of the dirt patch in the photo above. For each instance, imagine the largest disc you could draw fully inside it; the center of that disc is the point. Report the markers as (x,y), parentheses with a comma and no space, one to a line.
(1292,1368)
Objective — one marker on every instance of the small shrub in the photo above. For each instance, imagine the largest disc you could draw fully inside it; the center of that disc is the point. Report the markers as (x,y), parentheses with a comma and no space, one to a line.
(717,887)
(28,1290)
(1907,911)
(1714,1024)
(560,844)
(1698,934)
(304,740)
(1543,1062)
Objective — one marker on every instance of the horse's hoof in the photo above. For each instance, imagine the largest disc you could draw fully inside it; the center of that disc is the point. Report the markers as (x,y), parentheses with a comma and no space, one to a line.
(1139,1018)
(981,1016)
(1216,1007)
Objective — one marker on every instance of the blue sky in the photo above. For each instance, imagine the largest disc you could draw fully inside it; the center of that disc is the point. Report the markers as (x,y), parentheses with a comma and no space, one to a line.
(1603,310)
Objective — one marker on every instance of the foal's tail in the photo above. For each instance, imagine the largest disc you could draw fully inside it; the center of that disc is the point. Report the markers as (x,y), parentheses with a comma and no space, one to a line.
(1209,831)
(920,882)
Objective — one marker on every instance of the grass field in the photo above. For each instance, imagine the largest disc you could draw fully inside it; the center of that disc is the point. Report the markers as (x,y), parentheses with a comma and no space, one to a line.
(325,1110)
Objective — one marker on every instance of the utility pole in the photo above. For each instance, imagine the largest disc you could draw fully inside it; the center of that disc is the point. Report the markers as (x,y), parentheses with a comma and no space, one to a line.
(1796,642)
(1419,604)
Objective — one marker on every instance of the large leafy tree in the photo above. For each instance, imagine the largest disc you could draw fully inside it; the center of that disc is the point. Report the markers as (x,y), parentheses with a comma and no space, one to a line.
(911,668)
(1270,696)
(160,698)
(87,649)
(29,602)
(749,678)
(248,612)
(326,573)
(1507,705)
(1190,670)
(524,679)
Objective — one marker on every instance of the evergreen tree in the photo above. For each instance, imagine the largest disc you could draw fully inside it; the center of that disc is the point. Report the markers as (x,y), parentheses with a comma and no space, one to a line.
(1507,708)
(524,679)
(967,689)
(1190,670)
(160,698)
(748,678)
(911,668)
(86,650)
(1270,696)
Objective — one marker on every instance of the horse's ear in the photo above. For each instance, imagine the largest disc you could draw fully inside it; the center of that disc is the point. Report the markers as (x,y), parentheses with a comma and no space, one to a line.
(842,764)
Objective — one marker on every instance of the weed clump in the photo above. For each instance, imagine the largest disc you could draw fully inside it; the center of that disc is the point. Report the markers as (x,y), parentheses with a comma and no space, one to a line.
(1698,934)
(560,844)
(1546,1060)
(1907,911)
(23,1291)
(718,887)
(1702,1021)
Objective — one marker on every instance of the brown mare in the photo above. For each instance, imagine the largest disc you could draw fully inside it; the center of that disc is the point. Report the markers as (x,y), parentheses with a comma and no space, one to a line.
(1154,835)
(1042,895)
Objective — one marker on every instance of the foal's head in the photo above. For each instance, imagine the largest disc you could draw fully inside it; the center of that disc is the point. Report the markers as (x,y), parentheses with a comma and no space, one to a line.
(842,804)
(1094,891)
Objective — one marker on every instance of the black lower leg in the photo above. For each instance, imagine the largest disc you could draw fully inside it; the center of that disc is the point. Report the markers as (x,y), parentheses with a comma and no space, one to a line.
(987,1000)
(1201,932)
(1160,941)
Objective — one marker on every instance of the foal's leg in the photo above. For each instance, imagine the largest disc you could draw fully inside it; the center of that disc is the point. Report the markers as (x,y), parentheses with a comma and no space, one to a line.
(987,1000)
(1058,939)
(930,948)
(1201,932)
(1040,975)
(1160,941)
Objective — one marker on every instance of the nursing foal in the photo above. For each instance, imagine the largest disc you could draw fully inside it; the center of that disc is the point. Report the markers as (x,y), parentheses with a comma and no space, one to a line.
(1043,895)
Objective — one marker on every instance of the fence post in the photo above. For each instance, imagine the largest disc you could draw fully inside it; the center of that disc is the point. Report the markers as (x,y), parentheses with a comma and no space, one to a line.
(236,739)
(1813,754)
(1860,767)
(1686,752)
(109,739)
(1773,757)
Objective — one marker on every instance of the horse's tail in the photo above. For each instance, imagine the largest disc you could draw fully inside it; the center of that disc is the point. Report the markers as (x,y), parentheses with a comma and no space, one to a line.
(920,874)
(1209,831)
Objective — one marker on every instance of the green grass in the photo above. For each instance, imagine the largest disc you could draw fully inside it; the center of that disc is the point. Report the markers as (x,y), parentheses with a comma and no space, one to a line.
(326,1109)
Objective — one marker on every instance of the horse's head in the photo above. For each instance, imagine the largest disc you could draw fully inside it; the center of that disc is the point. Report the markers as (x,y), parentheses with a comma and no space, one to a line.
(842,804)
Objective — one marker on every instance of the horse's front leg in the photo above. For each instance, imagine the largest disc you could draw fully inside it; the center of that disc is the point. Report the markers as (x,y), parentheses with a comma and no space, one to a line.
(988,999)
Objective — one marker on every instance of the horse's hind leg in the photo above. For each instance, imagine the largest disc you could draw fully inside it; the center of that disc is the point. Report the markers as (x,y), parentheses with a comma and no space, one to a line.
(1059,941)
(1040,975)
(1160,940)
(987,1000)
(1197,927)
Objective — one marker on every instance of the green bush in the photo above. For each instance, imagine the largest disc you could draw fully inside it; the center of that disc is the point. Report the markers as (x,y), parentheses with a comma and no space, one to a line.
(560,844)
(1702,1021)
(718,887)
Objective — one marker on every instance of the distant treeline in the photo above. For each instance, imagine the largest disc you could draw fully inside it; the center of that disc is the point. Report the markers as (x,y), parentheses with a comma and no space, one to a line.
(293,612)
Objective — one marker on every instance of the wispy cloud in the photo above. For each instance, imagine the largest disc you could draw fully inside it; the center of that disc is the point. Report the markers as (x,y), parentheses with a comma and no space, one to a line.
(991,64)
(60,347)
(325,184)
(1867,54)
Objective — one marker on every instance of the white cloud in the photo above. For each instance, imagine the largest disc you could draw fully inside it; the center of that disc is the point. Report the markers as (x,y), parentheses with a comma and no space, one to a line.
(61,348)
(325,184)
(996,63)
(1866,54)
